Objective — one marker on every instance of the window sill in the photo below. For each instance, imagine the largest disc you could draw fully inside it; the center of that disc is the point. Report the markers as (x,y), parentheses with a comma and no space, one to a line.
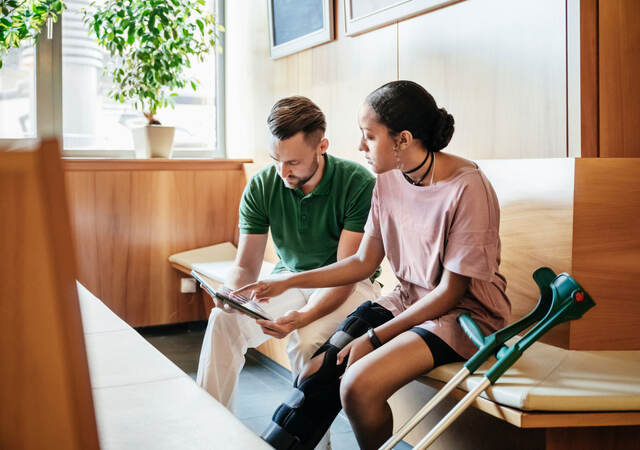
(121,164)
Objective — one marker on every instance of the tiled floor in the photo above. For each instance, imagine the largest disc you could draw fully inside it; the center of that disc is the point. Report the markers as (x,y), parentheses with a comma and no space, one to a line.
(262,386)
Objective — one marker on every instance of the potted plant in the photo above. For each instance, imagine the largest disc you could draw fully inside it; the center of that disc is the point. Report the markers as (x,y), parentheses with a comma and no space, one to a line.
(23,19)
(151,43)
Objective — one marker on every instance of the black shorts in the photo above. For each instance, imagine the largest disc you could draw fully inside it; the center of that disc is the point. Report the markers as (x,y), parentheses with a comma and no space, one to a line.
(442,353)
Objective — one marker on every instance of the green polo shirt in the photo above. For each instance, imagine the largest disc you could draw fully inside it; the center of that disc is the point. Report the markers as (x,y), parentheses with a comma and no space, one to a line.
(306,228)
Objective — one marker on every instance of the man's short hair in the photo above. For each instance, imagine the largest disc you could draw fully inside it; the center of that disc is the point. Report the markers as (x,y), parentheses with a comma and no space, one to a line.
(291,115)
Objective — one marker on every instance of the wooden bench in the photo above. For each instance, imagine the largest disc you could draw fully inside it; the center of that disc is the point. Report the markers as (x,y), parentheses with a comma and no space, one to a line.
(81,381)
(576,389)
(582,392)
(549,388)
(143,400)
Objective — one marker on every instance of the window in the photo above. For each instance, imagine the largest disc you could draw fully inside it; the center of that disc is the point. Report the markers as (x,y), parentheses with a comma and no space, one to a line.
(92,123)
(17,94)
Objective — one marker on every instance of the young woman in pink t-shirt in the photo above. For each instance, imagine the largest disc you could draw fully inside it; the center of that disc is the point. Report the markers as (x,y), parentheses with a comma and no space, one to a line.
(435,217)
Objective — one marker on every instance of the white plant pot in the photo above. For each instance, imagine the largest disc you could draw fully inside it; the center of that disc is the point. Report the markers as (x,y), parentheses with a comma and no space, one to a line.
(153,141)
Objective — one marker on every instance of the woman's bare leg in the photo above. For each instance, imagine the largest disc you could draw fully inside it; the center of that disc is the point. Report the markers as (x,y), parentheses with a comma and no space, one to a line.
(311,366)
(367,385)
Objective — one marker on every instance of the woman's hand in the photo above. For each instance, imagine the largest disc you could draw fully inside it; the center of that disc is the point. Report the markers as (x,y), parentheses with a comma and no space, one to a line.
(262,291)
(355,350)
(284,325)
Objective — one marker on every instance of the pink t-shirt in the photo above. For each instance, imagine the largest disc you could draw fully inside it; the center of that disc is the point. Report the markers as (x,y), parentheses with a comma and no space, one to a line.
(452,224)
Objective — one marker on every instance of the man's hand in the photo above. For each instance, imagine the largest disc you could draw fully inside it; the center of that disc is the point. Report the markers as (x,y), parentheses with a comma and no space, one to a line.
(284,325)
(355,350)
(262,291)
(217,303)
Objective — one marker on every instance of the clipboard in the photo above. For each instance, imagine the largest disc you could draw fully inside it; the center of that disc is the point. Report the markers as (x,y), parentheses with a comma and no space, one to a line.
(236,302)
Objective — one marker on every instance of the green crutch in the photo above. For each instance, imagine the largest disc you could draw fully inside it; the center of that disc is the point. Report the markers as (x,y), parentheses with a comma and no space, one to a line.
(561,299)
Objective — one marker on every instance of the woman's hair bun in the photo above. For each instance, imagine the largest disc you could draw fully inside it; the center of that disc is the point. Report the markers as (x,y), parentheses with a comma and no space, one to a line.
(442,130)
(405,105)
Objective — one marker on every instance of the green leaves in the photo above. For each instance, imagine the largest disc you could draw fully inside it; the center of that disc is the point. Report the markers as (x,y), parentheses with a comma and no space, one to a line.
(131,34)
(23,19)
(155,41)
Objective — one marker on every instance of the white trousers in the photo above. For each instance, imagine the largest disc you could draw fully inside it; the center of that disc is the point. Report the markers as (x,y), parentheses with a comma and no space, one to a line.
(229,335)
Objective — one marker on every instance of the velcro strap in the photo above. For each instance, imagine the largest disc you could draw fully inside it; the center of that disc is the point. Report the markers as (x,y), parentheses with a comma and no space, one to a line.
(279,438)
(340,339)
(295,398)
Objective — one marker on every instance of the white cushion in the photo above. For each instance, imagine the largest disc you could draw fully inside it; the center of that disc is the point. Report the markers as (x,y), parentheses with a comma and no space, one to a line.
(96,317)
(219,252)
(143,400)
(214,261)
(124,357)
(170,414)
(219,270)
(548,378)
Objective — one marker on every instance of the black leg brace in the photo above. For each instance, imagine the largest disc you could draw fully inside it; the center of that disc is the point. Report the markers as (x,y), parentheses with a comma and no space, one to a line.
(300,422)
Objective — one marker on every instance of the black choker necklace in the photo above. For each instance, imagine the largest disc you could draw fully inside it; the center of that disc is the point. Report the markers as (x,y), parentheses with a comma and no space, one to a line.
(417,183)
(420,165)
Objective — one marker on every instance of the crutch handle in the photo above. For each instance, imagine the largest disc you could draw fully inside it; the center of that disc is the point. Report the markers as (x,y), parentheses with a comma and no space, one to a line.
(570,302)
(494,344)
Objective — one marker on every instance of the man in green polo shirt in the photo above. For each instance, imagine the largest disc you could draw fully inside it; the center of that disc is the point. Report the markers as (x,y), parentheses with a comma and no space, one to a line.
(316,206)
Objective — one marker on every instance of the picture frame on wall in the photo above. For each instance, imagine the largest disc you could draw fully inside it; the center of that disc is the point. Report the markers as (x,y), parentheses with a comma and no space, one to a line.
(365,15)
(296,25)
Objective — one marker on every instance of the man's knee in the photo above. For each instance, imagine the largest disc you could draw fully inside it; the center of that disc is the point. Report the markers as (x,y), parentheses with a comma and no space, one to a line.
(302,345)
(220,320)
(224,333)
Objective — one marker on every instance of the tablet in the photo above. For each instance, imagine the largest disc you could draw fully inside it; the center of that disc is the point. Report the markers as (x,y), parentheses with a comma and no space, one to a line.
(236,302)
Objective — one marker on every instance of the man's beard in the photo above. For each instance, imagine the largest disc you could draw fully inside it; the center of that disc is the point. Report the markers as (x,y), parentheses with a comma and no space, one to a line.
(302,181)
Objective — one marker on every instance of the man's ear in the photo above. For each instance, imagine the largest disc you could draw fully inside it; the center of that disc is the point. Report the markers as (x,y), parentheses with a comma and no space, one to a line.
(323,145)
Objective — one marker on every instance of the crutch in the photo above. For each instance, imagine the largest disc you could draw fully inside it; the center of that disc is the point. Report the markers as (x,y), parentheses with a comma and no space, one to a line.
(488,346)
(561,299)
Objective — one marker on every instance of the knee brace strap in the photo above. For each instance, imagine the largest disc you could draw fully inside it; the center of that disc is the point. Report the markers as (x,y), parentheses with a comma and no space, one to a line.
(301,421)
(367,315)
(279,438)
(340,339)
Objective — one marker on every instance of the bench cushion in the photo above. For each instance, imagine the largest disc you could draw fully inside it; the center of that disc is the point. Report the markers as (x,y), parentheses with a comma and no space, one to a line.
(142,399)
(225,251)
(548,378)
(214,261)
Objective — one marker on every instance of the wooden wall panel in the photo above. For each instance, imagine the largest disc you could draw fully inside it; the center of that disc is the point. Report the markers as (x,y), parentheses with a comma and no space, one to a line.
(606,252)
(590,127)
(574,95)
(619,72)
(129,217)
(340,75)
(499,67)
(81,194)
(536,216)
(113,220)
(253,81)
(45,391)
(337,76)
